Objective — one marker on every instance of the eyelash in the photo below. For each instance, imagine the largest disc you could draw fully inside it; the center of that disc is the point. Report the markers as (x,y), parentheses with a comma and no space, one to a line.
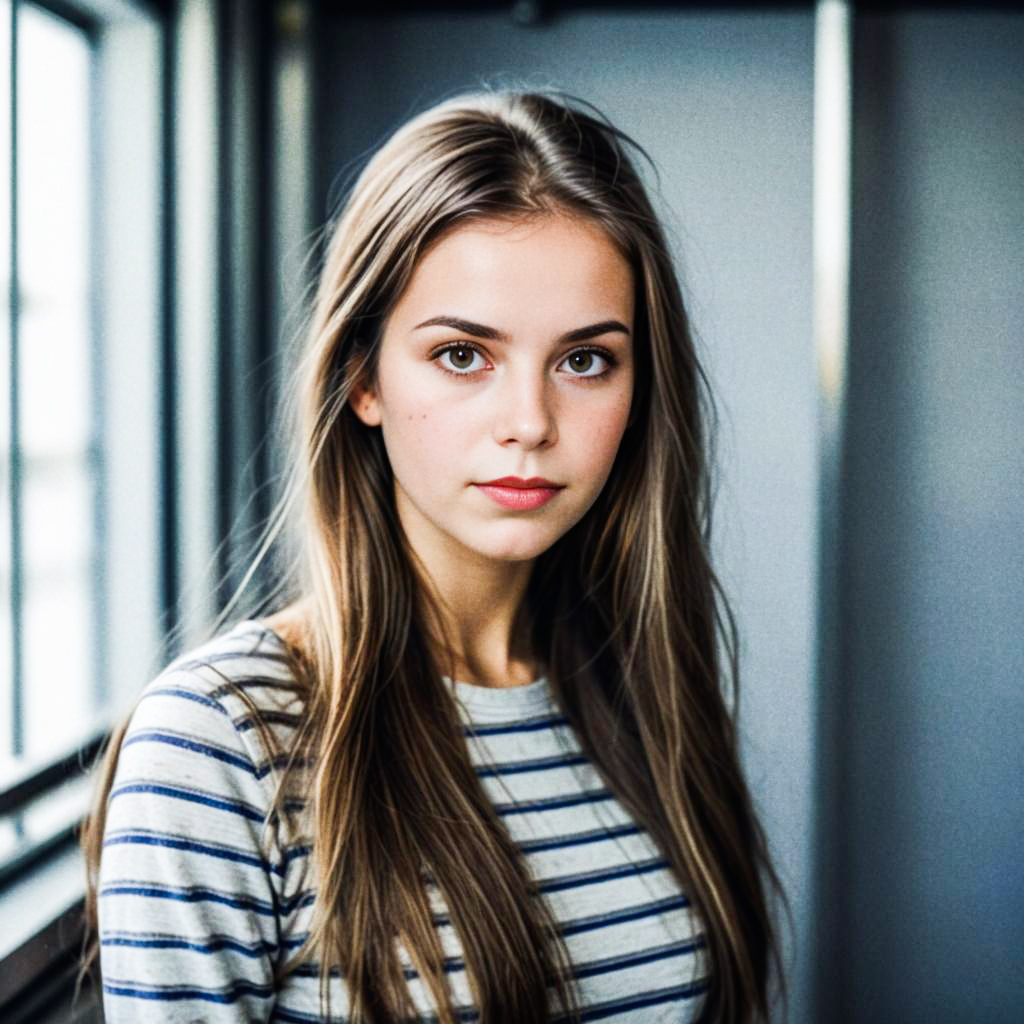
(602,352)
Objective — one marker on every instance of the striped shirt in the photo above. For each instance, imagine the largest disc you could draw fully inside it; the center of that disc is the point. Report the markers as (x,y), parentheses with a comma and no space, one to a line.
(196,909)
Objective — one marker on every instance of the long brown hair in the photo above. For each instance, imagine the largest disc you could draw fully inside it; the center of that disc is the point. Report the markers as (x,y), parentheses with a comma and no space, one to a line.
(627,615)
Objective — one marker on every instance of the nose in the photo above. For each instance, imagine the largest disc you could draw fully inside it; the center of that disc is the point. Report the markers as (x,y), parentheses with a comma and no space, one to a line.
(524,410)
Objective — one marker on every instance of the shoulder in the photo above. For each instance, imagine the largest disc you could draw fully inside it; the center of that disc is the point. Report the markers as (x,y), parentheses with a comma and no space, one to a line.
(230,704)
(242,672)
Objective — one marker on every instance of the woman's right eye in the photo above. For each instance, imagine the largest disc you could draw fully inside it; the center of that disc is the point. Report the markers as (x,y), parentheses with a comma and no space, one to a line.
(459,360)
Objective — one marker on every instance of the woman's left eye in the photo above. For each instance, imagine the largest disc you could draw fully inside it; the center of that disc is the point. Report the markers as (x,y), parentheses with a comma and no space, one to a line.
(587,362)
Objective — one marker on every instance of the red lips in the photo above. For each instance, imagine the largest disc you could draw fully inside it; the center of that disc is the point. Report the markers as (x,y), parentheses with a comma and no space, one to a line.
(516,481)
(513,492)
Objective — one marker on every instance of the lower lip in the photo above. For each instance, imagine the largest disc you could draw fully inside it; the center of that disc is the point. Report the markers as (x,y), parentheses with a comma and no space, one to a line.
(519,497)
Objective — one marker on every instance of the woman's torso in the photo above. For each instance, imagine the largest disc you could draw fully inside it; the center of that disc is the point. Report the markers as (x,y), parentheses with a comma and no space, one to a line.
(196,912)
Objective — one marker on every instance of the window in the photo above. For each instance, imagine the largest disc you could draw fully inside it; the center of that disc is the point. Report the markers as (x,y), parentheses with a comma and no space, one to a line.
(52,468)
(82,261)
(142,224)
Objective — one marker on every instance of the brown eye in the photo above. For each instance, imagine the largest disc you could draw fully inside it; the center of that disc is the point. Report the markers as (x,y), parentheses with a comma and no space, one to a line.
(586,362)
(461,358)
(458,359)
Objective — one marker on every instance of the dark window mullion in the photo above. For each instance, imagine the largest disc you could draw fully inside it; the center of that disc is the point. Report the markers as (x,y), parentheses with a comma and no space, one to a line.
(228,176)
(166,385)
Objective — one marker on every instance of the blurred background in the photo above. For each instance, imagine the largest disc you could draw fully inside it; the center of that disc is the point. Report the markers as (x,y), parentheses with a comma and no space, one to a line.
(844,189)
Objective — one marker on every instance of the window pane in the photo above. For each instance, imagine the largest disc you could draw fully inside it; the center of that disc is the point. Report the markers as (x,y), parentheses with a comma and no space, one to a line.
(53,158)
(54,363)
(58,697)
(56,499)
(55,376)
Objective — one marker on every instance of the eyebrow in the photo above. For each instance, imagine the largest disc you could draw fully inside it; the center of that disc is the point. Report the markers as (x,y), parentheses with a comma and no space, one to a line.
(493,334)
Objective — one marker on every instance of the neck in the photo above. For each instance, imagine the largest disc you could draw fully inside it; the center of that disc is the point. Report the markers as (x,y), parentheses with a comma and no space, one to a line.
(482,604)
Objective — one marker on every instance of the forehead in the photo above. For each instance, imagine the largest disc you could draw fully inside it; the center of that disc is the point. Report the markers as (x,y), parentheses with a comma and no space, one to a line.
(537,269)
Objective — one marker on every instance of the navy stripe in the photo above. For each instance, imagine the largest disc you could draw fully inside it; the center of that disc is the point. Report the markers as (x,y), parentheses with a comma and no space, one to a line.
(238,807)
(200,894)
(677,994)
(177,691)
(562,882)
(538,765)
(619,963)
(258,771)
(214,944)
(597,921)
(601,875)
(248,722)
(206,749)
(230,994)
(579,839)
(637,913)
(294,942)
(250,681)
(193,894)
(297,1017)
(554,803)
(518,726)
(279,763)
(297,852)
(174,842)
(587,970)
(304,898)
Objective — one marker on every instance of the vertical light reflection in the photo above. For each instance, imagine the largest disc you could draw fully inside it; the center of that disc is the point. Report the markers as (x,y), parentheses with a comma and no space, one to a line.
(292,183)
(832,151)
(197,313)
(831,197)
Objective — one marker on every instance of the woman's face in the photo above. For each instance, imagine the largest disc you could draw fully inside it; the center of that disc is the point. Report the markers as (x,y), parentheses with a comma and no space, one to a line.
(509,355)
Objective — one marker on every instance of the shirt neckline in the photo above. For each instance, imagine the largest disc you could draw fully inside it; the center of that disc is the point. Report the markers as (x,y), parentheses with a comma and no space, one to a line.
(501,701)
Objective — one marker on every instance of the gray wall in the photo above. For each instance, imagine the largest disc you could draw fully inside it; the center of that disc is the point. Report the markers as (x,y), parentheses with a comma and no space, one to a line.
(930,884)
(723,102)
(891,787)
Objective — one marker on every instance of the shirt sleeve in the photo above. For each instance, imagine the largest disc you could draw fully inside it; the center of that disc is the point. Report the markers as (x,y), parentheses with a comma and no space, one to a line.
(187,901)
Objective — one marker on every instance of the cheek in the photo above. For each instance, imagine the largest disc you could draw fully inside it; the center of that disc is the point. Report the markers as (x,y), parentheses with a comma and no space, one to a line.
(599,432)
(418,431)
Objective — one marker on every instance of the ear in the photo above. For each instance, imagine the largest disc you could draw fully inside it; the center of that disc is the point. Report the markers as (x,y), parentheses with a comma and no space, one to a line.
(364,403)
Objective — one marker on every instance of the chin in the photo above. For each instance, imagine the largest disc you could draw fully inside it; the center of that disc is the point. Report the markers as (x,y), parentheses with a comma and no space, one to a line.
(517,548)
(512,553)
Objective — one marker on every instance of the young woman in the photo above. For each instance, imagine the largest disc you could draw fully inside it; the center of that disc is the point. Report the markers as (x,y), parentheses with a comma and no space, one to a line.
(481,765)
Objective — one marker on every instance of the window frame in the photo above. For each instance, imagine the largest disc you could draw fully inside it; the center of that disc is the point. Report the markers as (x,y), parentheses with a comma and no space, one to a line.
(242,210)
(24,761)
(42,882)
